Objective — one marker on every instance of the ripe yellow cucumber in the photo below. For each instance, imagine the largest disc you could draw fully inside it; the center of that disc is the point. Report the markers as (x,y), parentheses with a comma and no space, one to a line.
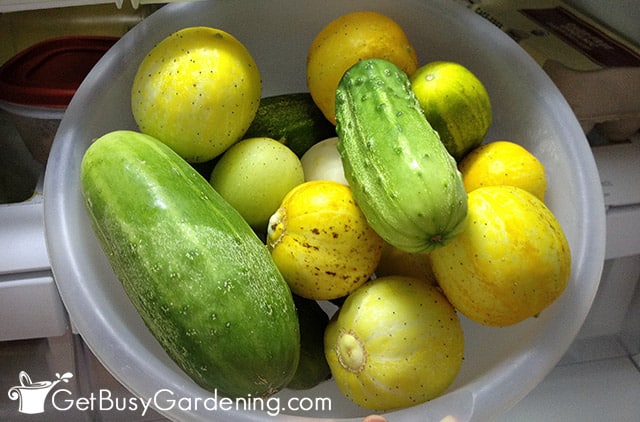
(202,281)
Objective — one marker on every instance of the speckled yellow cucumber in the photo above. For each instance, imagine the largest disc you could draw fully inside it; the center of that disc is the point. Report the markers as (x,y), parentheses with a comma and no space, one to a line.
(321,242)
(202,281)
(197,91)
(512,261)
(402,177)
(395,342)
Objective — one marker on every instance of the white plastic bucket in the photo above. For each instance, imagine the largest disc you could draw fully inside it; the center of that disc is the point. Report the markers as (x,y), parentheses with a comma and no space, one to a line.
(501,364)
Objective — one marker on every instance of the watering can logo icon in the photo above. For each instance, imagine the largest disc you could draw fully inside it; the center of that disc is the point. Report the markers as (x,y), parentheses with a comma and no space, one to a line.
(32,395)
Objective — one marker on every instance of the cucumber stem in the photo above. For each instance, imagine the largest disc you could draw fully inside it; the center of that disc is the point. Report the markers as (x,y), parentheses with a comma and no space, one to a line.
(351,352)
(276,227)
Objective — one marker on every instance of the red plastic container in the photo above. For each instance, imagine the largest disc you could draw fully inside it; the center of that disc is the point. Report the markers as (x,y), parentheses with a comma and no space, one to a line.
(37,84)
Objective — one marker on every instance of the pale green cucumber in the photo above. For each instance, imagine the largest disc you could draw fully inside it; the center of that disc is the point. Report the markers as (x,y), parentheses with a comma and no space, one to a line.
(404,180)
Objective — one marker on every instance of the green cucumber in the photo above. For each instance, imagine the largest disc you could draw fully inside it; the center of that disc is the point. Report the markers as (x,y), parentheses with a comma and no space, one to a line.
(404,180)
(202,281)
(313,367)
(293,119)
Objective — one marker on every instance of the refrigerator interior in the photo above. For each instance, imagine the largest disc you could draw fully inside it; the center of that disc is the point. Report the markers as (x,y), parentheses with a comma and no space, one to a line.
(598,378)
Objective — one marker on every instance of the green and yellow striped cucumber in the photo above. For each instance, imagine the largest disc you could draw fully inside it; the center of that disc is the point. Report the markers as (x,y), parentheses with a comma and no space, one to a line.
(202,281)
(455,103)
(404,180)
(293,119)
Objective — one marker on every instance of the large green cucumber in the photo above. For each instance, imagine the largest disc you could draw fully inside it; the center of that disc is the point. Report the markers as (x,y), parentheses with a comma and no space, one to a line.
(202,281)
(404,180)
(293,119)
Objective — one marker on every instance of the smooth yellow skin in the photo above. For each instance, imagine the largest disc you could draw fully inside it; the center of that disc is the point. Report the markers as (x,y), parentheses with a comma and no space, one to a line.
(197,91)
(511,261)
(347,40)
(396,342)
(503,163)
(321,241)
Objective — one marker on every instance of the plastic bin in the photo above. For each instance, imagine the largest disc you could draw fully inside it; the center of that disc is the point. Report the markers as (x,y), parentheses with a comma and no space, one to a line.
(501,365)
(37,84)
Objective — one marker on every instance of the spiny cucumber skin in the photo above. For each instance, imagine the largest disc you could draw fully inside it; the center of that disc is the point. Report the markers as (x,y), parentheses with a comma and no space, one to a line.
(204,284)
(404,180)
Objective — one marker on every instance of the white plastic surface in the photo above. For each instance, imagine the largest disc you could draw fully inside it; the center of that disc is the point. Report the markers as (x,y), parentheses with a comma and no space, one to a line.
(30,306)
(40,113)
(19,5)
(501,365)
(619,172)
(22,237)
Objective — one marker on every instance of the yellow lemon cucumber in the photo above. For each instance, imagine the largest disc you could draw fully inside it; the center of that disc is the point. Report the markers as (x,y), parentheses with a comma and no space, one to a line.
(395,342)
(347,40)
(503,163)
(511,261)
(321,242)
(197,91)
